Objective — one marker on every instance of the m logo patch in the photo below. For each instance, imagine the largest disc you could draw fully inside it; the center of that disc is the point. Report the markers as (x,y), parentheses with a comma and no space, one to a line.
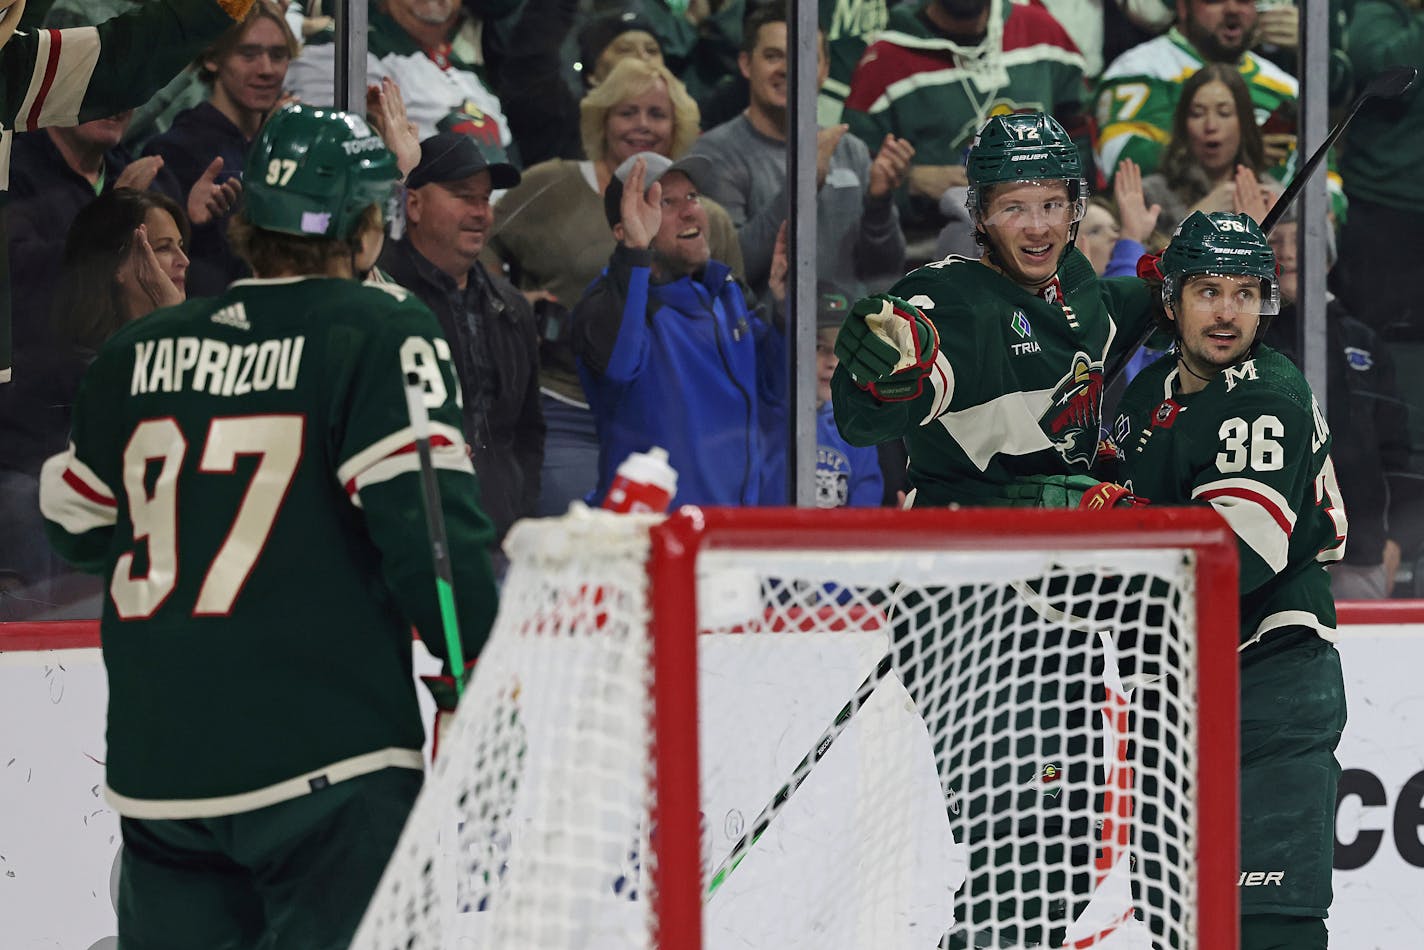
(1236,374)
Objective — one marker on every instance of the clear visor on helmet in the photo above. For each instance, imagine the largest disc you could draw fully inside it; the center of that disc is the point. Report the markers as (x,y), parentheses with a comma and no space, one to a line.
(1242,294)
(1030,203)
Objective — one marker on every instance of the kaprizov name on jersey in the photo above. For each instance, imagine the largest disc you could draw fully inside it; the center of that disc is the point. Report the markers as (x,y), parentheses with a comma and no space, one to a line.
(218,368)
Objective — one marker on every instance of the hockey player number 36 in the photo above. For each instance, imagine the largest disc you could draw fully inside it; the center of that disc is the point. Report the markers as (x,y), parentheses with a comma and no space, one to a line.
(276,441)
(1254,443)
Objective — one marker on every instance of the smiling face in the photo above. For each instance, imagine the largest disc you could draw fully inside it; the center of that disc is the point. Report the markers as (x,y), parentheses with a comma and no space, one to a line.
(680,246)
(250,78)
(1028,223)
(1217,316)
(1221,30)
(167,243)
(1213,128)
(643,123)
(449,221)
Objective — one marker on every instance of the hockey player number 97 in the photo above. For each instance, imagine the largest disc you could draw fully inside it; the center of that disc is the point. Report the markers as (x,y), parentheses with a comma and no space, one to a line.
(276,441)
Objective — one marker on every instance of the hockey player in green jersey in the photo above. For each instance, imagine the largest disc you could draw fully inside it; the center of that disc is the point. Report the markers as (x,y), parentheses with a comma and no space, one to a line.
(1227,422)
(242,472)
(992,369)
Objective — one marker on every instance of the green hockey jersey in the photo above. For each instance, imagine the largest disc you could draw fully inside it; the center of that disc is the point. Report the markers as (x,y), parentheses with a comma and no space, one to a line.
(1254,445)
(1015,392)
(64,77)
(243,474)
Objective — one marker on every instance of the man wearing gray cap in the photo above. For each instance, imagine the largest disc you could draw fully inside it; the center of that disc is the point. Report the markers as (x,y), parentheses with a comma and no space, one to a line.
(669,352)
(489,324)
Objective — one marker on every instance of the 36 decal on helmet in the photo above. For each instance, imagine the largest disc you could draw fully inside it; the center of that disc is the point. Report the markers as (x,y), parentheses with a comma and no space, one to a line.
(314,172)
(1220,243)
(1023,147)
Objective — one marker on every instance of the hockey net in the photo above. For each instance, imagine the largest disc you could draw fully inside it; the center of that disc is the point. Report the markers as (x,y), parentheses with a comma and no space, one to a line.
(780,729)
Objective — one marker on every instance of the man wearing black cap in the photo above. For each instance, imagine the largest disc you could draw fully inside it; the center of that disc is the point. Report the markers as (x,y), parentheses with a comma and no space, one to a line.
(488,323)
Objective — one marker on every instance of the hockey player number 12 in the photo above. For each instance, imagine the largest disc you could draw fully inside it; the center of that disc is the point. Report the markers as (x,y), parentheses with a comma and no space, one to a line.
(276,441)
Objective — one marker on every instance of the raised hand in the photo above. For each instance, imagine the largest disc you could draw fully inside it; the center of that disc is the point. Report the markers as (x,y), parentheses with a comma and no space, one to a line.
(1247,195)
(1136,219)
(642,214)
(208,200)
(148,273)
(891,165)
(385,112)
(139,173)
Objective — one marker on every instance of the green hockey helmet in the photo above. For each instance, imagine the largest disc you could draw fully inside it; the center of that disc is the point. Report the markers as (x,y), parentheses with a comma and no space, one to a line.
(1026,146)
(314,172)
(1220,243)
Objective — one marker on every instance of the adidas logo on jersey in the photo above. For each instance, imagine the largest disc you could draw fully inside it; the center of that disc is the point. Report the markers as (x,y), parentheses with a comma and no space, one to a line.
(232,316)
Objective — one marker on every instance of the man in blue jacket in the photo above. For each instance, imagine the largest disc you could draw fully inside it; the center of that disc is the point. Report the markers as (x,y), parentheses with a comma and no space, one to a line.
(668,349)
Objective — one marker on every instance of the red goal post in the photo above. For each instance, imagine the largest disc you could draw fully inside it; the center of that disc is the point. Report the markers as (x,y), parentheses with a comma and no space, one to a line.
(1052,591)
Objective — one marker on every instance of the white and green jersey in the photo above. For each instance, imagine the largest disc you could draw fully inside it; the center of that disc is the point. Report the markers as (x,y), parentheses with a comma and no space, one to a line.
(243,475)
(1138,95)
(1015,393)
(1254,445)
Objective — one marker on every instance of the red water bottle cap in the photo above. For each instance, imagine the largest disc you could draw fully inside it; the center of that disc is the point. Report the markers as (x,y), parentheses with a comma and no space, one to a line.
(645,482)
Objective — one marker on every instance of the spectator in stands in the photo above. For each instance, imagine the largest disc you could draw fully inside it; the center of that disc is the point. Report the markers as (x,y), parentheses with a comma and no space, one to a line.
(846,475)
(542,109)
(1370,425)
(1380,241)
(489,324)
(700,41)
(245,72)
(966,57)
(94,72)
(1138,94)
(53,174)
(669,351)
(441,55)
(859,234)
(1115,232)
(847,29)
(123,258)
(551,233)
(1213,136)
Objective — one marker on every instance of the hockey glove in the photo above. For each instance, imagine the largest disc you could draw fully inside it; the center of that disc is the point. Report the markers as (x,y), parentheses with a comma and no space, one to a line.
(442,690)
(1108,495)
(888,347)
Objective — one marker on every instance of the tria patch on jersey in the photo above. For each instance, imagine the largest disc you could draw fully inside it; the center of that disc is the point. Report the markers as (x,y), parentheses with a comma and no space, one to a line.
(1020,323)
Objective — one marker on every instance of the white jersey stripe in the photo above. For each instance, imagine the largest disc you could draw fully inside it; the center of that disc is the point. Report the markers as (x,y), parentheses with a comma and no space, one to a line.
(1007,425)
(44,39)
(1257,514)
(448,457)
(391,444)
(78,54)
(72,496)
(941,377)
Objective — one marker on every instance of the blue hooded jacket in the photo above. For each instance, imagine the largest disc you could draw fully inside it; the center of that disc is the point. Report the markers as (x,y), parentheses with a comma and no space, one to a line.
(685,365)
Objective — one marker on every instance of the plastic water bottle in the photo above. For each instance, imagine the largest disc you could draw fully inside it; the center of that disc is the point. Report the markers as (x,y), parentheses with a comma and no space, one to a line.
(645,482)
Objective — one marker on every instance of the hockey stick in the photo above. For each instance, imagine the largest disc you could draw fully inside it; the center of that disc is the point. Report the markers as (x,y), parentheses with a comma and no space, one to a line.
(435,529)
(798,775)
(1390,83)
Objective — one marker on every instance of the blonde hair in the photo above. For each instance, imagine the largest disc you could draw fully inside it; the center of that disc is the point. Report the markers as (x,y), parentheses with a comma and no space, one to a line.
(628,79)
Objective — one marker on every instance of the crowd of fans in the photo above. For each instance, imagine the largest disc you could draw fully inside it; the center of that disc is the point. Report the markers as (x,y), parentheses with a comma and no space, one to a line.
(578,173)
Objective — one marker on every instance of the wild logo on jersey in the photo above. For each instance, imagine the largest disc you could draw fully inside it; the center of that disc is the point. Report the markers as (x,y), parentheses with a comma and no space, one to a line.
(1074,410)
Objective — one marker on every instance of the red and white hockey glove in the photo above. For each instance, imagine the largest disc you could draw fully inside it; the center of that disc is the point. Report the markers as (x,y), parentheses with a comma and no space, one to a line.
(888,347)
(1109,495)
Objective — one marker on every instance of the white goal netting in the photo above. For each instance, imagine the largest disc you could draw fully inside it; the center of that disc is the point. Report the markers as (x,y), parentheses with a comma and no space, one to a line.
(900,746)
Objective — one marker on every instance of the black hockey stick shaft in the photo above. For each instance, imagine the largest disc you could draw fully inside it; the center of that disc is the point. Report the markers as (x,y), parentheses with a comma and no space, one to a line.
(798,775)
(435,529)
(1390,83)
